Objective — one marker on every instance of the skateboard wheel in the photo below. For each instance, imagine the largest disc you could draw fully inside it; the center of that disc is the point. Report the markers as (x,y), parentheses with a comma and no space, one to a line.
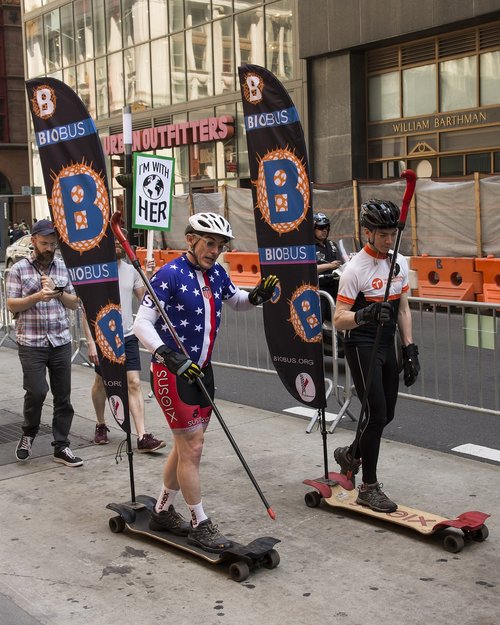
(116,524)
(239,571)
(312,499)
(481,534)
(272,559)
(453,543)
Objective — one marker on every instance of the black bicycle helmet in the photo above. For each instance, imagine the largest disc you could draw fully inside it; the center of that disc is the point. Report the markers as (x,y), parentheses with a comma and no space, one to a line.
(379,214)
(320,219)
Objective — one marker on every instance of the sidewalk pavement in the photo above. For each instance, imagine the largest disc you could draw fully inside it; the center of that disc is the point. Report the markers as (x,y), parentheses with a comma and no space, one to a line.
(61,565)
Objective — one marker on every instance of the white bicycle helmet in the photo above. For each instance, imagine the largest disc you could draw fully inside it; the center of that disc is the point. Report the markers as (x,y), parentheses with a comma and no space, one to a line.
(211,223)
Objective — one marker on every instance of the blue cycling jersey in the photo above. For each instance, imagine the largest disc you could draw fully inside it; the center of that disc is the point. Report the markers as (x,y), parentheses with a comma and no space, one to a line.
(192,299)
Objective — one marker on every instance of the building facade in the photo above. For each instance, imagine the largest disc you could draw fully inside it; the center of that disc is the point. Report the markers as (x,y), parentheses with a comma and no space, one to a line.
(396,84)
(14,169)
(175,64)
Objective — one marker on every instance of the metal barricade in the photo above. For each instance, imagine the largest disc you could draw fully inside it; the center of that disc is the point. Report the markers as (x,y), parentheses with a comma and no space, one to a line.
(6,317)
(458,343)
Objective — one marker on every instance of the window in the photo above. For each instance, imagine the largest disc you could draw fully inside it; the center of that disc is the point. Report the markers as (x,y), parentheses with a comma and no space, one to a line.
(419,91)
(158,18)
(490,78)
(384,97)
(68,35)
(161,76)
(457,81)
(451,166)
(83,27)
(52,32)
(279,39)
(478,163)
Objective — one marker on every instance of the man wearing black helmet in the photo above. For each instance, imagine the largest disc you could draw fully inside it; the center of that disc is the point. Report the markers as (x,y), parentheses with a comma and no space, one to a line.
(328,259)
(191,289)
(360,309)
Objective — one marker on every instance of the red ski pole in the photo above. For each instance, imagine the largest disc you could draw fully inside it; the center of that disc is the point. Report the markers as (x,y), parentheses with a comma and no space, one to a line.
(116,227)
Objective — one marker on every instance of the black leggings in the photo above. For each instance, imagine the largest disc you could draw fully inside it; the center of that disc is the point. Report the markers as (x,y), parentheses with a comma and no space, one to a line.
(381,403)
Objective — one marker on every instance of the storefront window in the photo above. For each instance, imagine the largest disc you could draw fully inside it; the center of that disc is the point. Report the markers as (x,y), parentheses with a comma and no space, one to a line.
(221,8)
(224,56)
(419,91)
(227,151)
(115,83)
(451,166)
(137,77)
(196,12)
(99,27)
(158,18)
(135,21)
(496,162)
(29,5)
(243,165)
(490,78)
(68,38)
(457,79)
(279,40)
(101,80)
(69,77)
(199,62)
(113,25)
(181,173)
(176,15)
(478,163)
(83,27)
(161,72)
(86,85)
(384,97)
(34,48)
(249,38)
(178,65)
(52,32)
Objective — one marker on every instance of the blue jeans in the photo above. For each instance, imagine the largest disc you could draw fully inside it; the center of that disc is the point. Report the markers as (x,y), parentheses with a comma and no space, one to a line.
(35,362)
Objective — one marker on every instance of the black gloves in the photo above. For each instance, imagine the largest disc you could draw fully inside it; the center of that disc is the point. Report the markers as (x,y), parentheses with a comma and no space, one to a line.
(263,291)
(178,363)
(378,312)
(411,365)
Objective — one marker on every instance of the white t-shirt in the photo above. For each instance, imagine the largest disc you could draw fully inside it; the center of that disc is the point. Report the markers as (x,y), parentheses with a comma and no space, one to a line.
(128,280)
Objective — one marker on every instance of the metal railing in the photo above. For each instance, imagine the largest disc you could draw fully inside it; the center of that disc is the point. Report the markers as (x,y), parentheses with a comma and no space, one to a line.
(458,344)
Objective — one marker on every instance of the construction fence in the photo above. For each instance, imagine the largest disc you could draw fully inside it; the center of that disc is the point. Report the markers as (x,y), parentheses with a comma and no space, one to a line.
(450,218)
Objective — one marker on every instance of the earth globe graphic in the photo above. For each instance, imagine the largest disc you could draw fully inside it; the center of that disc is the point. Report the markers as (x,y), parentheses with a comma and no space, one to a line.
(153,186)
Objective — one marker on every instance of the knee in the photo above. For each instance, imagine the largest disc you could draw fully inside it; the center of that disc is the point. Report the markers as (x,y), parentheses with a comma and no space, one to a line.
(194,449)
(134,385)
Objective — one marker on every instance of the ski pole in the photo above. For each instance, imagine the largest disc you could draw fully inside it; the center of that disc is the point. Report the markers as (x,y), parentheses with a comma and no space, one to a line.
(116,227)
(411,180)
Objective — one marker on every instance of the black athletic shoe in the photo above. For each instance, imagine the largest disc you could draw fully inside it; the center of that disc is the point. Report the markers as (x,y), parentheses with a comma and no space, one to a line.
(23,449)
(67,457)
(371,495)
(343,457)
(169,521)
(207,536)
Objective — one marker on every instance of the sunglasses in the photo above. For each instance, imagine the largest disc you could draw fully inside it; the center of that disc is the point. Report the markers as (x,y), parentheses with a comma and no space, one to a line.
(321,227)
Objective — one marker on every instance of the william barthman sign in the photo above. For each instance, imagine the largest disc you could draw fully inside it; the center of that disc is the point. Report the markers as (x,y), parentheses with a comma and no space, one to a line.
(153,184)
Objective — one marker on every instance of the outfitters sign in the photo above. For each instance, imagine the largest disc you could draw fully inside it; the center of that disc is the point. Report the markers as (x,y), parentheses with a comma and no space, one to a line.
(285,237)
(76,185)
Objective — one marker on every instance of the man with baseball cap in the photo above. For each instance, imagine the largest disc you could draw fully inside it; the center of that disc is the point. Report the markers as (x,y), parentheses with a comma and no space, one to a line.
(39,292)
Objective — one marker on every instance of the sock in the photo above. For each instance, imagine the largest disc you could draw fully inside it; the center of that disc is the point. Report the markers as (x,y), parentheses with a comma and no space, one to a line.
(166,498)
(197,514)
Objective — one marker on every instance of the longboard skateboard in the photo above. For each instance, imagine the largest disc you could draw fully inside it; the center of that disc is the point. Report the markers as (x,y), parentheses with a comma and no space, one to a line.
(466,526)
(240,558)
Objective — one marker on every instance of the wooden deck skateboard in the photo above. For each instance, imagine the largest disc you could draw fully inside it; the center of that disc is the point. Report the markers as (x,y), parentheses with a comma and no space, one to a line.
(240,558)
(466,526)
